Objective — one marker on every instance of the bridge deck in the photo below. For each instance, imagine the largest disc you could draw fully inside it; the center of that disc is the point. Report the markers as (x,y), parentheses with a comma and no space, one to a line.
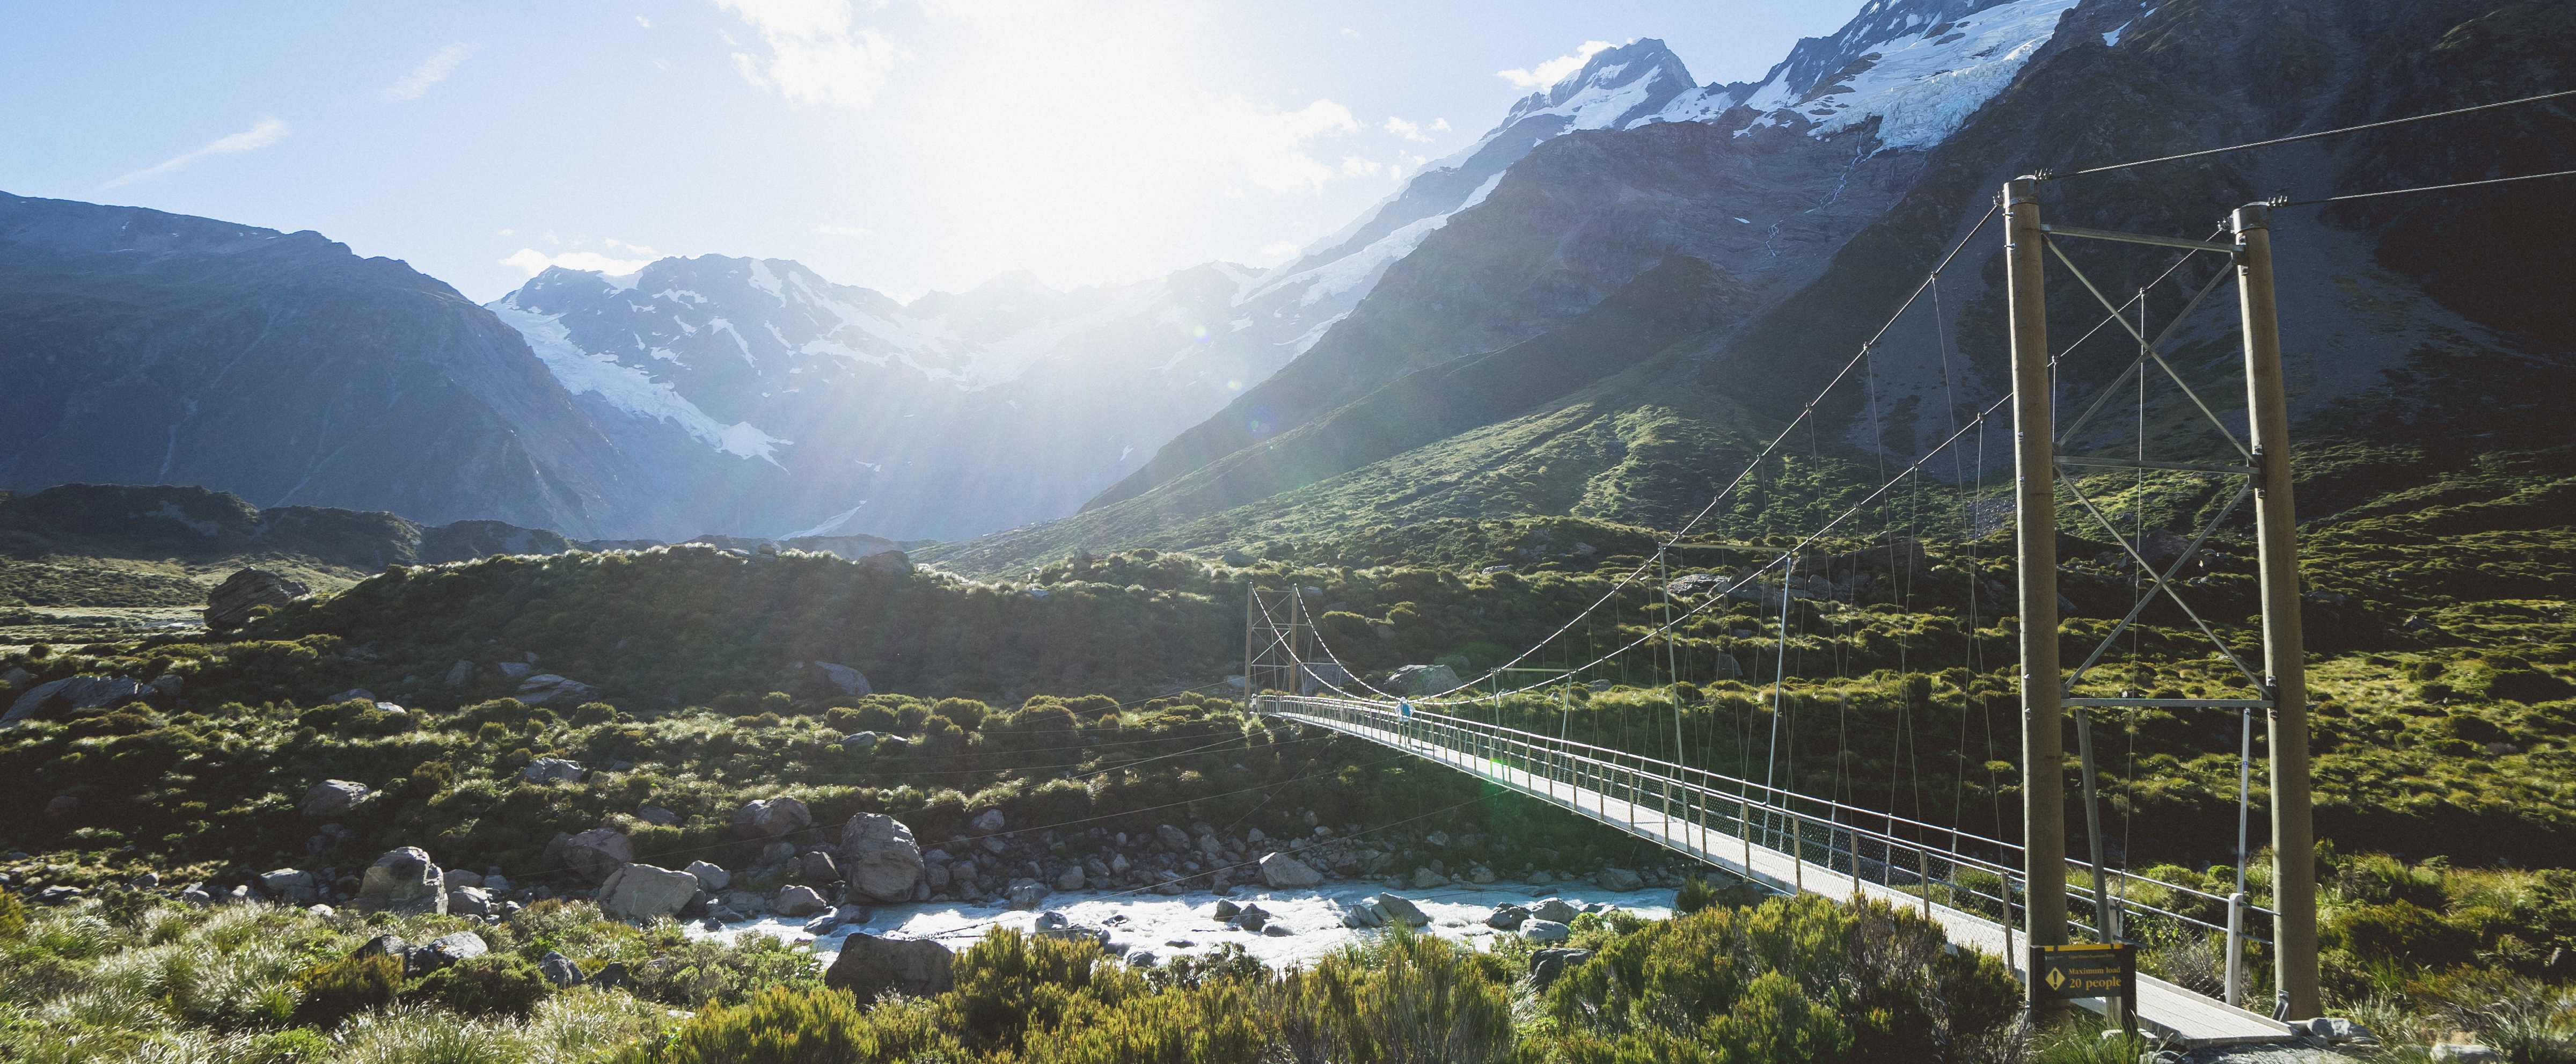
(2164,1009)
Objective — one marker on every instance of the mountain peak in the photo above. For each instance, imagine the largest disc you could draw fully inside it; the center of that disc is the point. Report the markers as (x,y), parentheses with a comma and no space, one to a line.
(1610,85)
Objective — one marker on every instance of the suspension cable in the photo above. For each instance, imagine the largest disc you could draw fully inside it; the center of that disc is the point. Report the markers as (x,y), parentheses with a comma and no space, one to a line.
(2320,133)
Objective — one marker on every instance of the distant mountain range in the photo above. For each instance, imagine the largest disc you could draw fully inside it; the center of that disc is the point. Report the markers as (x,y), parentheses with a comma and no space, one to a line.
(1586,311)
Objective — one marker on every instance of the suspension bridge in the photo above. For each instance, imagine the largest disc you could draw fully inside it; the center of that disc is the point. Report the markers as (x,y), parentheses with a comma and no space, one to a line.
(2006,898)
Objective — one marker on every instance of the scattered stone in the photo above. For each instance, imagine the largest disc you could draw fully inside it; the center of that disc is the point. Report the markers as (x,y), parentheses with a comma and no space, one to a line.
(1547,964)
(141,881)
(553,770)
(657,816)
(513,670)
(1025,894)
(2466,1053)
(388,945)
(710,877)
(826,921)
(1618,879)
(612,974)
(870,965)
(549,689)
(229,605)
(168,684)
(459,674)
(859,742)
(1546,931)
(1172,837)
(769,818)
(1252,918)
(73,693)
(1508,918)
(1071,879)
(322,911)
(57,895)
(796,901)
(403,881)
(354,694)
(458,877)
(292,884)
(448,949)
(1142,959)
(469,901)
(1426,879)
(987,822)
(1557,910)
(644,892)
(559,970)
(879,858)
(2336,1030)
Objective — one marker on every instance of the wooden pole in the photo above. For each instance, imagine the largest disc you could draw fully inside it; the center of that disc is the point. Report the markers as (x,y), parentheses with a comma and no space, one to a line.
(2043,731)
(2294,862)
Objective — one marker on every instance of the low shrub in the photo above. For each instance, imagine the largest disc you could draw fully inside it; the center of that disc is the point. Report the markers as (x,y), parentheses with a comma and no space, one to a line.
(336,990)
(495,984)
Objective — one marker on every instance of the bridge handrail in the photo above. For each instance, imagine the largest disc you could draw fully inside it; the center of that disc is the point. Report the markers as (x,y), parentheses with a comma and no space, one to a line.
(1565,750)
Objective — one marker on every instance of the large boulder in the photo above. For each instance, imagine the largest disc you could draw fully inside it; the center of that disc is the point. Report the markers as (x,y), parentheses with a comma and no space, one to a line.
(879,858)
(870,965)
(711,877)
(843,678)
(1546,931)
(74,693)
(643,892)
(331,798)
(598,852)
(1618,879)
(1555,909)
(1282,872)
(797,901)
(229,606)
(287,884)
(448,949)
(1400,910)
(548,689)
(403,881)
(769,818)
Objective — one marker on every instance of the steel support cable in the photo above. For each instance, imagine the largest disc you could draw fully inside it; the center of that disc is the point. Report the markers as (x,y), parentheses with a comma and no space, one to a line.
(2454,112)
(2421,188)
(1805,413)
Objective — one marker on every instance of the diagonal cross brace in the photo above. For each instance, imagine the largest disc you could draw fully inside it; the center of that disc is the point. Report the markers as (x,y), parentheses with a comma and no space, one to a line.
(2162,579)
(2170,593)
(2077,425)
(2123,319)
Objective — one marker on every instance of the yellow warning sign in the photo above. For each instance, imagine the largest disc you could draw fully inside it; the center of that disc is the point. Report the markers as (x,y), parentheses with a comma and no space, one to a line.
(2085,970)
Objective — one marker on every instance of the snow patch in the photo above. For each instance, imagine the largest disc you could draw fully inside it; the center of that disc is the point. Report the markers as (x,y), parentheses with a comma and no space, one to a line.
(627,388)
(1923,88)
(831,524)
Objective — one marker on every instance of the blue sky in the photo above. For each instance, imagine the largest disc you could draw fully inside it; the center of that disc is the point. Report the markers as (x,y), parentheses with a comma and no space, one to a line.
(904,145)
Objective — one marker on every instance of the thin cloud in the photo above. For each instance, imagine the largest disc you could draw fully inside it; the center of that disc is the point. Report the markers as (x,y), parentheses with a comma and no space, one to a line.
(268,131)
(430,72)
(1552,71)
(644,22)
(1270,146)
(845,230)
(817,54)
(1408,130)
(534,262)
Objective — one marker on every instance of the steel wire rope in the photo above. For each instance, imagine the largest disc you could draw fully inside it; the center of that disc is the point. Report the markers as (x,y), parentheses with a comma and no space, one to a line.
(2383,124)
(2284,204)
(1805,414)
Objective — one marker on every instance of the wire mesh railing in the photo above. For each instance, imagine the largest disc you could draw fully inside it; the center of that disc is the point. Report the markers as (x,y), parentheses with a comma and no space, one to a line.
(1710,815)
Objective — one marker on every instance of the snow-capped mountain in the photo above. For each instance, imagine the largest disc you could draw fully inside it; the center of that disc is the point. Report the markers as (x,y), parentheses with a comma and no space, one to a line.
(794,403)
(1819,194)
